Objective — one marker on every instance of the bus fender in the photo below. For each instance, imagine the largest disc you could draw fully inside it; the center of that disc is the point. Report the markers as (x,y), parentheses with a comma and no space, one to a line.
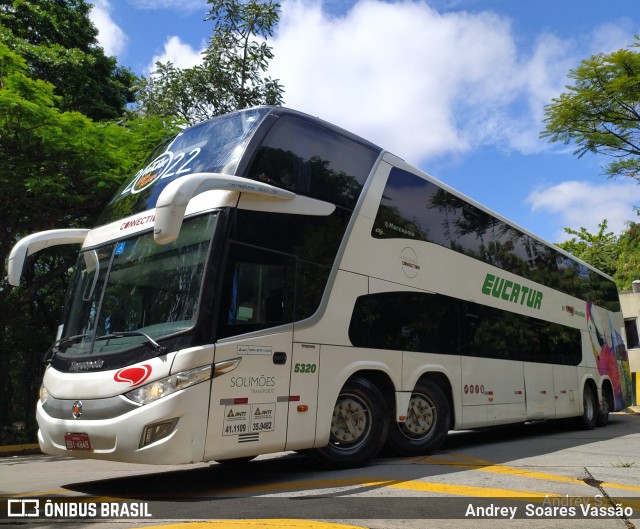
(402,405)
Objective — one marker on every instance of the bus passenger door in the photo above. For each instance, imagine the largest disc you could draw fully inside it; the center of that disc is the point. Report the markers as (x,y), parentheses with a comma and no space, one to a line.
(249,404)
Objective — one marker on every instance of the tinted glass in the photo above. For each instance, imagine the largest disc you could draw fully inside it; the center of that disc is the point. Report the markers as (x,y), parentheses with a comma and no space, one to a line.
(214,146)
(413,208)
(277,260)
(433,323)
(311,160)
(137,285)
(258,290)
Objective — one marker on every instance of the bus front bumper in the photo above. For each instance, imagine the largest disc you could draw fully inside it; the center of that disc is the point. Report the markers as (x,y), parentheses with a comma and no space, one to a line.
(171,430)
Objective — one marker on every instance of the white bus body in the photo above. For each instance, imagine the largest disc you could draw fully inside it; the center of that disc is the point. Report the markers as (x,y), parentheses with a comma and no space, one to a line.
(269,282)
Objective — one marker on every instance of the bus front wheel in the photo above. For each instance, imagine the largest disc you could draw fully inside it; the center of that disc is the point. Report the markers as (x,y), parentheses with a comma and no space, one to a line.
(359,426)
(427,423)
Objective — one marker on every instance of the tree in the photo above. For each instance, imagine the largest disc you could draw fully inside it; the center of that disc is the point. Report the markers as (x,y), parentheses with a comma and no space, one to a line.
(600,250)
(57,169)
(232,75)
(628,266)
(59,43)
(616,255)
(239,55)
(600,112)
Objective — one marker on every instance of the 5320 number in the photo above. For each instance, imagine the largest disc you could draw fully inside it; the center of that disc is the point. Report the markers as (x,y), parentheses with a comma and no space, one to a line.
(304,368)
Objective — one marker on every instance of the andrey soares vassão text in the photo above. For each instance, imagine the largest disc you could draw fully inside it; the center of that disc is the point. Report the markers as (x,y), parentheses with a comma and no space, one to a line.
(553,507)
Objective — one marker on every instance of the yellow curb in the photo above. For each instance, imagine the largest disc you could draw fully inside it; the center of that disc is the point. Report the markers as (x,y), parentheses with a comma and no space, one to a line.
(18,448)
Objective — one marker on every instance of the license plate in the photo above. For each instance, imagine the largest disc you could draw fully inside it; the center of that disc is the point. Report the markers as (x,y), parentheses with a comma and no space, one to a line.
(77,441)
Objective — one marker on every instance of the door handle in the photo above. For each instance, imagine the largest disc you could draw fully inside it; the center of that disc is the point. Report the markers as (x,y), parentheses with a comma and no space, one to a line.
(279,358)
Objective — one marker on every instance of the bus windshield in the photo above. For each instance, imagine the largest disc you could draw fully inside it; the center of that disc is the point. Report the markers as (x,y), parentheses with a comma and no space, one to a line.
(215,146)
(122,294)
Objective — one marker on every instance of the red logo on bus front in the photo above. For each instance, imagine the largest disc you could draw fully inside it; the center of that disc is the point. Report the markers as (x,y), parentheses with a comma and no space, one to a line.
(134,375)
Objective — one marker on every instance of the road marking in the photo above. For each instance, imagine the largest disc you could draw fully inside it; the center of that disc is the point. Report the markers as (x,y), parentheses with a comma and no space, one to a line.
(484,465)
(256,524)
(449,459)
(421,486)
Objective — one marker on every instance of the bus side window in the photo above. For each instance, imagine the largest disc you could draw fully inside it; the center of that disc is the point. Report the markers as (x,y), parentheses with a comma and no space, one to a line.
(258,291)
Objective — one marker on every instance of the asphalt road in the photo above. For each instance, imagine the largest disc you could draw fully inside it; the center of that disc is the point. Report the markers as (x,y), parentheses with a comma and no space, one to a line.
(506,477)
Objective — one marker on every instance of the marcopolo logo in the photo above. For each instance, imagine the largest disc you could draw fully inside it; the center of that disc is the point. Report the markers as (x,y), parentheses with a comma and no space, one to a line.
(134,375)
(511,291)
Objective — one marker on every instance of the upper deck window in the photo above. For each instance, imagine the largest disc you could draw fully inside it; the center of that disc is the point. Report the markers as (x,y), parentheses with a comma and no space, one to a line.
(415,208)
(313,160)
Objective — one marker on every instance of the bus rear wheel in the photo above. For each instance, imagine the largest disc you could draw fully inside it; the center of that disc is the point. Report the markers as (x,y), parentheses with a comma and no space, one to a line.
(602,418)
(358,426)
(427,424)
(591,409)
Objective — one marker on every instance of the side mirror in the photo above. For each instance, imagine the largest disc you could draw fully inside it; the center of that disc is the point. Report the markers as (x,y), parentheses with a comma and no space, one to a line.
(36,242)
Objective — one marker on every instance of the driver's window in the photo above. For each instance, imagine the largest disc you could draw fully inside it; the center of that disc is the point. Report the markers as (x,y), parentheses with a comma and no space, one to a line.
(258,291)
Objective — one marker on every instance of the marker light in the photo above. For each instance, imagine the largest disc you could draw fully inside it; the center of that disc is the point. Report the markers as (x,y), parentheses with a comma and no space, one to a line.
(166,386)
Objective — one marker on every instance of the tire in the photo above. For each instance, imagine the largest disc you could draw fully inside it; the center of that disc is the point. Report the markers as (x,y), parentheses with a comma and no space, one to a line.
(359,426)
(591,409)
(427,424)
(602,418)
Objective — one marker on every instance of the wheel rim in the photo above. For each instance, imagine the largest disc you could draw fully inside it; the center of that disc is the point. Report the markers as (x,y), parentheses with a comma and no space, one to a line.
(351,422)
(422,415)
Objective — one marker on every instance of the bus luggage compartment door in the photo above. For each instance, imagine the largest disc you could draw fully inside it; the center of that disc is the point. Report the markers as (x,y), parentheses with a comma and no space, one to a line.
(249,405)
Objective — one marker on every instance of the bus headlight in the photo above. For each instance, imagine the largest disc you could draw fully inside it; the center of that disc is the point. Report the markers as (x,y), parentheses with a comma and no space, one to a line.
(44,394)
(166,386)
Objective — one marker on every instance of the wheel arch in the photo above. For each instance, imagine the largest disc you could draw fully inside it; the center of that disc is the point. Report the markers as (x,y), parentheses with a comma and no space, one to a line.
(607,393)
(443,382)
(380,378)
(592,384)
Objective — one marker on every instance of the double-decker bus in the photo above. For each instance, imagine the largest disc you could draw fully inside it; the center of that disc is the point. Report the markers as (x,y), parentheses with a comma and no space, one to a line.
(270,282)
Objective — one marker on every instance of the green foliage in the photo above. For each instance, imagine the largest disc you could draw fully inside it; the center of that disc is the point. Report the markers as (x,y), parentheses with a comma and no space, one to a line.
(628,266)
(57,169)
(59,43)
(616,255)
(232,75)
(600,250)
(239,52)
(600,111)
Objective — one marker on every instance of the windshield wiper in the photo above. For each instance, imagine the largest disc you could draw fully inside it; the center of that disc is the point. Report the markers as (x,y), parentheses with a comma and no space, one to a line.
(121,334)
(62,345)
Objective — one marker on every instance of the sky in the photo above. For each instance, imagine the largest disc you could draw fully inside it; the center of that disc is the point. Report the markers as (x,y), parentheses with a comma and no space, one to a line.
(454,87)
